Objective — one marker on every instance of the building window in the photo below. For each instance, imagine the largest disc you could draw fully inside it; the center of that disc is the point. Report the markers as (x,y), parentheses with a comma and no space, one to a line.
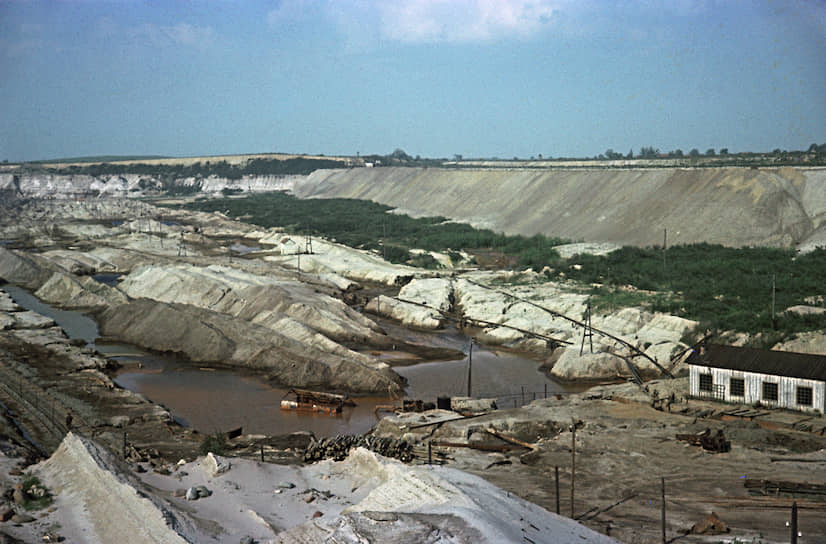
(804,396)
(770,391)
(737,387)
(706,383)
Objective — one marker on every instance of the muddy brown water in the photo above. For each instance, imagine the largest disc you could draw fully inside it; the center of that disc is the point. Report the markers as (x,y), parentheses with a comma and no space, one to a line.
(211,399)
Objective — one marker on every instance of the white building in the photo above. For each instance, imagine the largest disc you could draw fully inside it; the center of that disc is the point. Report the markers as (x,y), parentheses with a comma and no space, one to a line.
(778,379)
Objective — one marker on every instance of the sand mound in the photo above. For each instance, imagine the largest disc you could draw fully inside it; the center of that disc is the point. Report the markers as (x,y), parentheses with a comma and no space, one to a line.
(102,502)
(415,503)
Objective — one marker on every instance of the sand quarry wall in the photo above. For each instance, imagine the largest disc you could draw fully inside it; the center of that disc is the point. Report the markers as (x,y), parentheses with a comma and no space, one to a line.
(730,206)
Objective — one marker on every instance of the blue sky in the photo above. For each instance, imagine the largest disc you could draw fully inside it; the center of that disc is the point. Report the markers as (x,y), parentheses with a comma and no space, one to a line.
(481,78)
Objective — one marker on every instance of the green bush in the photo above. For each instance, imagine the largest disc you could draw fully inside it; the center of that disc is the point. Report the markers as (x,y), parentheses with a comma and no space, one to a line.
(725,288)
(35,494)
(215,443)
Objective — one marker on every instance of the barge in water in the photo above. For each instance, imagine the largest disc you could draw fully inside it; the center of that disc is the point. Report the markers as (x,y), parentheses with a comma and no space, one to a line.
(315,401)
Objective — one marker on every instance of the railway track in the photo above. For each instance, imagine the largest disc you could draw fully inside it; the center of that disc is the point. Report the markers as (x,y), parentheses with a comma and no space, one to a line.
(38,414)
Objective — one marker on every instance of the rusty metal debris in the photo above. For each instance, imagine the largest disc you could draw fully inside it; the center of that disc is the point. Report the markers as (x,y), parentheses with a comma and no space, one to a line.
(710,525)
(713,442)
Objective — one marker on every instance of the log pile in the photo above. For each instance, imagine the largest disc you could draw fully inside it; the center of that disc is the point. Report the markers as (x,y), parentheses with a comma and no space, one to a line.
(773,487)
(338,447)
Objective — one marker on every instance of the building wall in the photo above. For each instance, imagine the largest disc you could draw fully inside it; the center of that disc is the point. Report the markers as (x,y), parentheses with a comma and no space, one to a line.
(753,381)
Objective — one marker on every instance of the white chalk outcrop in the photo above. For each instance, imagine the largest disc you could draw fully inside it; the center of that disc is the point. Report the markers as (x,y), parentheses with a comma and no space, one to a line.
(365,498)
(520,309)
(262,299)
(420,303)
(83,292)
(357,265)
(56,186)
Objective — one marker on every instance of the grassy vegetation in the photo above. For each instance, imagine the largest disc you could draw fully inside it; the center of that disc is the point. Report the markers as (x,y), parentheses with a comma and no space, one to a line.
(367,225)
(722,288)
(215,443)
(36,495)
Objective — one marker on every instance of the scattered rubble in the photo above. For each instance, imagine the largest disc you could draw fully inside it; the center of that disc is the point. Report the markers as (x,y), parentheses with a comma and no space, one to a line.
(338,447)
(710,525)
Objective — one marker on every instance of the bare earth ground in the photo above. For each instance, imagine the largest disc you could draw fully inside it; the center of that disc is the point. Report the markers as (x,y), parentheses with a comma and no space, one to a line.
(625,447)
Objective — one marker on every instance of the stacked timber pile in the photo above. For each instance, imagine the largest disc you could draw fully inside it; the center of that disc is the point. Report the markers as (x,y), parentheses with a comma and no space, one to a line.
(338,447)
(772,487)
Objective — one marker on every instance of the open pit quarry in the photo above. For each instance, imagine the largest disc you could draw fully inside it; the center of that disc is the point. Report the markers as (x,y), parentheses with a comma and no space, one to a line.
(219,293)
(733,206)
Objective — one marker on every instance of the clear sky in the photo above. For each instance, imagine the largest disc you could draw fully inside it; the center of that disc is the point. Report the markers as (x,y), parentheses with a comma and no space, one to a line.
(481,78)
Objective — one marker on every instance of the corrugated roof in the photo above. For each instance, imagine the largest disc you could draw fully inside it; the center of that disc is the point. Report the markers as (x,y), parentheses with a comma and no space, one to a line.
(777,363)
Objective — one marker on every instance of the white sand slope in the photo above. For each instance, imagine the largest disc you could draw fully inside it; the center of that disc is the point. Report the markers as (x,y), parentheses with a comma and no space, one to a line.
(99,501)
(365,498)
(433,504)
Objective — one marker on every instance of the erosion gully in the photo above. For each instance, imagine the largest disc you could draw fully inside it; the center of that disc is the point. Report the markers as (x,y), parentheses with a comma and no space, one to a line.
(212,399)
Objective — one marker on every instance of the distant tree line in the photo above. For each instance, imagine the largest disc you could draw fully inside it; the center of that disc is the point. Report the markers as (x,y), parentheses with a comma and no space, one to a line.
(400,158)
(814,155)
(200,170)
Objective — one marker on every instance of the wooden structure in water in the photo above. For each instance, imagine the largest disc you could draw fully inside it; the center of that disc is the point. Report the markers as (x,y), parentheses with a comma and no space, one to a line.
(304,400)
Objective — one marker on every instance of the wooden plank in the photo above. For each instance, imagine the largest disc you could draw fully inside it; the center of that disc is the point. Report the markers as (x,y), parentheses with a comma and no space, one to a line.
(796,460)
(481,447)
(420,425)
(772,486)
(594,512)
(510,439)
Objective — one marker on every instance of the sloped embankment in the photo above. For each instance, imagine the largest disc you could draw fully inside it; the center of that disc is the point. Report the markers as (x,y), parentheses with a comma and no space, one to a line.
(730,206)
(207,336)
(104,499)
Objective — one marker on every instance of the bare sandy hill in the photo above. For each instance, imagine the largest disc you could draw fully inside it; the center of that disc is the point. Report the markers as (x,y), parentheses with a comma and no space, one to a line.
(730,206)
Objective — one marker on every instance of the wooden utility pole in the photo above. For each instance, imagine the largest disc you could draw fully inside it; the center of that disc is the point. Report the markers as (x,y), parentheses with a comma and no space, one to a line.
(662,489)
(793,524)
(774,289)
(587,331)
(556,476)
(573,463)
(469,367)
(665,245)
